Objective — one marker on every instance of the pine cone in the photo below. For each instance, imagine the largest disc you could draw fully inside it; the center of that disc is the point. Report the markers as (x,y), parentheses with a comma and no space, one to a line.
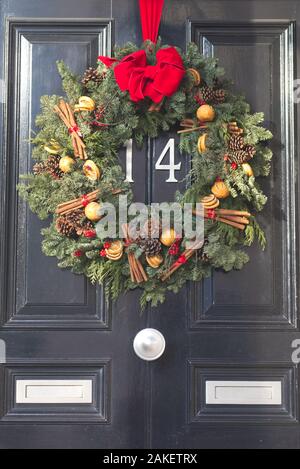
(219,96)
(91,74)
(150,246)
(236,142)
(250,150)
(52,166)
(73,224)
(39,168)
(239,156)
(211,95)
(207,94)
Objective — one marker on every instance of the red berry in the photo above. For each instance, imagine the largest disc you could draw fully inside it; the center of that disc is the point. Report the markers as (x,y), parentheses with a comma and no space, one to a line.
(174,249)
(90,233)
(233,165)
(77,253)
(106,245)
(103,253)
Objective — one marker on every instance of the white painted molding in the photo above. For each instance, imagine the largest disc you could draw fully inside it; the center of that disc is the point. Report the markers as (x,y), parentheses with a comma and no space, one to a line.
(54,391)
(243,392)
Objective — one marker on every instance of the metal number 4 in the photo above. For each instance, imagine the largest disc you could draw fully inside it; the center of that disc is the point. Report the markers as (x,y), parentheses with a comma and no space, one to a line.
(171,167)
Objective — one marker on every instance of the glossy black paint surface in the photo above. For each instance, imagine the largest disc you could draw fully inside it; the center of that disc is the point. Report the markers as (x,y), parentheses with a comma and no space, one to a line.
(233,326)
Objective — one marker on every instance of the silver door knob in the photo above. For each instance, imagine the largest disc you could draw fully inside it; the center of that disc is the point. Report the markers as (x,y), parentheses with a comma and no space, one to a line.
(149,344)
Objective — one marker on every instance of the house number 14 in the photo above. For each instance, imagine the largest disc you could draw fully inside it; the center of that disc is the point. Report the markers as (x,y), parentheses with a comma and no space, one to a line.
(171,166)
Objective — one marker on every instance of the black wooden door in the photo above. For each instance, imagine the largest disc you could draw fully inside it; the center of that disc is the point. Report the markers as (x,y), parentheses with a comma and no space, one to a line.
(226,378)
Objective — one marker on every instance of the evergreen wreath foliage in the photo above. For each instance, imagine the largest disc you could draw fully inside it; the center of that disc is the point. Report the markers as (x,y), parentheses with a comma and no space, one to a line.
(121,120)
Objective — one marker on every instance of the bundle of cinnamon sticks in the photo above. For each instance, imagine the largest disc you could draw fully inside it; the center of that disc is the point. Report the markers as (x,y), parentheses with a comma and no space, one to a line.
(190,126)
(188,253)
(75,204)
(80,202)
(137,273)
(67,116)
(236,218)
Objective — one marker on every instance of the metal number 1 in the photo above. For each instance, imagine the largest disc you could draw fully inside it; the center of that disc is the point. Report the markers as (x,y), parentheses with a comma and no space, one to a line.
(128,146)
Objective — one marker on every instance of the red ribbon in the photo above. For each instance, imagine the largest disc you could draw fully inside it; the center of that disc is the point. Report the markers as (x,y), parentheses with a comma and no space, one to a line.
(150,11)
(75,128)
(211,214)
(181,260)
(153,81)
(84,200)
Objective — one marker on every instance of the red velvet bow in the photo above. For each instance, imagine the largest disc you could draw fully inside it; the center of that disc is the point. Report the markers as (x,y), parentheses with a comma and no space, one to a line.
(153,81)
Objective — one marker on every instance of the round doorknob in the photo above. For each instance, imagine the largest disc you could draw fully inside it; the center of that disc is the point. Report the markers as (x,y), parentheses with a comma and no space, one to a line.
(149,344)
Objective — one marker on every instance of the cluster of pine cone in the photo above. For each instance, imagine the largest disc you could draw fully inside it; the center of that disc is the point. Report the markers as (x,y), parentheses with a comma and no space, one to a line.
(73,224)
(50,166)
(92,75)
(149,238)
(212,95)
(239,152)
(150,246)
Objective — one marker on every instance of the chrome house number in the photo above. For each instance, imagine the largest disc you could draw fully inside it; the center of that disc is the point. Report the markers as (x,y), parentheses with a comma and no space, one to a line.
(170,166)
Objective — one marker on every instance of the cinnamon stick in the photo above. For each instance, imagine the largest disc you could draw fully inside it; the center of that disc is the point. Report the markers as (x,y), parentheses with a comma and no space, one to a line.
(65,113)
(231,223)
(224,211)
(66,207)
(238,219)
(233,220)
(96,191)
(137,273)
(192,129)
(187,123)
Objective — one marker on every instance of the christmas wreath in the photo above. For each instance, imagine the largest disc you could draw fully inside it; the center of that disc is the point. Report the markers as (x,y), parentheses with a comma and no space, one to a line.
(142,93)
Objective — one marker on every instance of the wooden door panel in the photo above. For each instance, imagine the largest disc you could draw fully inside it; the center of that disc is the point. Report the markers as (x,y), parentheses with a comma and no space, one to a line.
(56,325)
(258,56)
(26,407)
(234,323)
(40,294)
